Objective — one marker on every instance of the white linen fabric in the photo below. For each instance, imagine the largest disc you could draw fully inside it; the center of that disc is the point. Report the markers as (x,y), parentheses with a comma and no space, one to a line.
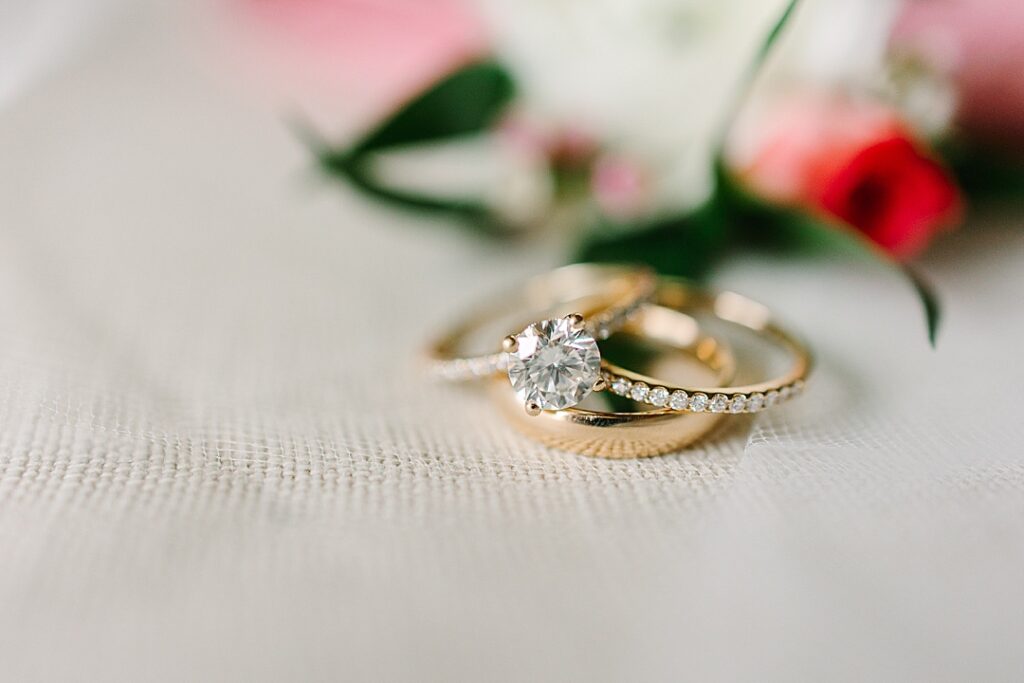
(217,461)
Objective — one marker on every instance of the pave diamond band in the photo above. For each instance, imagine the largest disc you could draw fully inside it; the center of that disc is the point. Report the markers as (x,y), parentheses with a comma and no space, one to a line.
(680,400)
(734,309)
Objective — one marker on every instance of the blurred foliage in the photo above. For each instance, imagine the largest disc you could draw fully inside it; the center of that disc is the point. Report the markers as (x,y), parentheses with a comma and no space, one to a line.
(984,172)
(733,221)
(688,245)
(471,101)
(468,101)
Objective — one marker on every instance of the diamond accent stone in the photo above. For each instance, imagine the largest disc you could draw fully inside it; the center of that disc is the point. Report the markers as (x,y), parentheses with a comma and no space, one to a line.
(555,364)
(738,403)
(719,403)
(658,396)
(620,386)
(698,402)
(771,398)
(755,403)
(678,400)
(638,392)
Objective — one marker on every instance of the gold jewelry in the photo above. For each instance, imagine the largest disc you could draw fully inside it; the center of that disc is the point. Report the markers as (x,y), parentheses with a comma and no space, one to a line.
(553,381)
(600,298)
(636,433)
(748,398)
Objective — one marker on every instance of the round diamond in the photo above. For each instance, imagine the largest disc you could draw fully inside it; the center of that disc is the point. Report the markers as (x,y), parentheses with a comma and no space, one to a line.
(719,403)
(658,396)
(698,402)
(755,403)
(771,398)
(738,403)
(555,364)
(678,400)
(638,392)
(620,386)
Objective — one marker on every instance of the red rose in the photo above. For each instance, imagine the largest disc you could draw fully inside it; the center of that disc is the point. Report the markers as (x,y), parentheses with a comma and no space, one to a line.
(855,161)
(893,193)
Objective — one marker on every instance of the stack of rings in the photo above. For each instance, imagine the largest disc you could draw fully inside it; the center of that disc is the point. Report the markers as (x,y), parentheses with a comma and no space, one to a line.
(539,375)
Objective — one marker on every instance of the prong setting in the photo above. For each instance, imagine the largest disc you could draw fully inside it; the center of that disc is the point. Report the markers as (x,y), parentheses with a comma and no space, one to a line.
(601,384)
(532,408)
(510,344)
(556,364)
(576,320)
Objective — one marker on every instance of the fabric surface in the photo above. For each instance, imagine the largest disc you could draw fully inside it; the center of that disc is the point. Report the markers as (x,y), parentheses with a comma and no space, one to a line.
(217,461)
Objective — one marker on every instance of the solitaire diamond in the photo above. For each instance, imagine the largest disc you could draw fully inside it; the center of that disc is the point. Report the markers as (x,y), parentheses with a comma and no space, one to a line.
(555,364)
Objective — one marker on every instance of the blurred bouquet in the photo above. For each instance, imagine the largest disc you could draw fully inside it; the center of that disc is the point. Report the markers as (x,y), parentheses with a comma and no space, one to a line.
(673,132)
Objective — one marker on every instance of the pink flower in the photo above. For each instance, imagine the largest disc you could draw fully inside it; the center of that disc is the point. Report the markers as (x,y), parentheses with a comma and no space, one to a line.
(980,44)
(620,187)
(346,63)
(855,161)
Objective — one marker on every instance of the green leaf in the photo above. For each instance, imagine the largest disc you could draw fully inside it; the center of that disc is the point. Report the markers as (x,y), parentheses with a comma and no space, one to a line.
(984,172)
(468,101)
(764,225)
(822,234)
(747,82)
(468,213)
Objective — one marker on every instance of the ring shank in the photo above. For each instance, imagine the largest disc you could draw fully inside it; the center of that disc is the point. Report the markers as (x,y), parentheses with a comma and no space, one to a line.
(679,295)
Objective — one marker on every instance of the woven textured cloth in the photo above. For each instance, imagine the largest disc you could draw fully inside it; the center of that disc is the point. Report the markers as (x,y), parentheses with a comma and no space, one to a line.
(217,461)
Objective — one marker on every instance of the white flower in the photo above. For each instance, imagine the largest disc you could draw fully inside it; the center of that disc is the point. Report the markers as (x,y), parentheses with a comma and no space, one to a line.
(653,79)
(844,45)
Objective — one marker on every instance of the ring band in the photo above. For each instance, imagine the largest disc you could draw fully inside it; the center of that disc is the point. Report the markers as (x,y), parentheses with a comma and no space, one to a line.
(648,432)
(749,398)
(606,296)
(636,433)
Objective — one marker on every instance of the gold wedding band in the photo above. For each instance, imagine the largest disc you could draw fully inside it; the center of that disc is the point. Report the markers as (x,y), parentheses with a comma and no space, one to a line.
(554,363)
(748,398)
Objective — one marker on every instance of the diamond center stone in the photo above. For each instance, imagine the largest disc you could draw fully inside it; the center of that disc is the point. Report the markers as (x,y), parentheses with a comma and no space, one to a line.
(555,365)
